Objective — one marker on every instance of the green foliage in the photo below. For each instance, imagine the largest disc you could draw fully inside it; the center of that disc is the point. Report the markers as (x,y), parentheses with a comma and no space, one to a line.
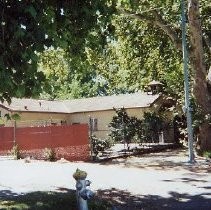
(207,154)
(135,54)
(50,154)
(124,128)
(132,54)
(53,64)
(68,76)
(15,151)
(9,116)
(30,27)
(152,125)
(1,121)
(99,145)
(89,48)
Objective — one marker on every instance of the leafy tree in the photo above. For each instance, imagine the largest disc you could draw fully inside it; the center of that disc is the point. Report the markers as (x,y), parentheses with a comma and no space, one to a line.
(152,126)
(165,16)
(68,76)
(124,128)
(28,27)
(55,67)
(135,56)
(161,20)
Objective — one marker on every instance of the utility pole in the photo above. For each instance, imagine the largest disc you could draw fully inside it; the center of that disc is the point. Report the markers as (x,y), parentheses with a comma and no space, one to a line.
(186,86)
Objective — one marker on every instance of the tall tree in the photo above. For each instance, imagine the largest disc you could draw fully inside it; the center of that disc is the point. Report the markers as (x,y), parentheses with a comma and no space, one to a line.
(55,67)
(29,26)
(135,55)
(164,15)
(68,76)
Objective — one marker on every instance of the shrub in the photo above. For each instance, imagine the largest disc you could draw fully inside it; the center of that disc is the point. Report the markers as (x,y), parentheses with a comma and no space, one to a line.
(99,145)
(152,125)
(124,128)
(207,154)
(15,151)
(50,154)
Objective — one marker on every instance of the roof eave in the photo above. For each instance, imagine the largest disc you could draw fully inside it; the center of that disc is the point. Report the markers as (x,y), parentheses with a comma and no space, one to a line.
(50,112)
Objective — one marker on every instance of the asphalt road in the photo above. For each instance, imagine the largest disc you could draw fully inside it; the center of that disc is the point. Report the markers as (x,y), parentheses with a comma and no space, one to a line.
(155,181)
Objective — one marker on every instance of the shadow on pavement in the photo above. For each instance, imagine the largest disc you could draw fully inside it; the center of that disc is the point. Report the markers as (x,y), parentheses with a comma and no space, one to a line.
(162,161)
(62,199)
(186,180)
(123,200)
(112,199)
(38,200)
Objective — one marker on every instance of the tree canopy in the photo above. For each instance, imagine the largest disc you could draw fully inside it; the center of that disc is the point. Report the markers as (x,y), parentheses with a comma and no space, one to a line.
(29,27)
(113,46)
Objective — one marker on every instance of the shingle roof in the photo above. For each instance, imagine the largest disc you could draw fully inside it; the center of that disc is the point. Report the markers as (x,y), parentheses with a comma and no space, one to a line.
(33,105)
(134,100)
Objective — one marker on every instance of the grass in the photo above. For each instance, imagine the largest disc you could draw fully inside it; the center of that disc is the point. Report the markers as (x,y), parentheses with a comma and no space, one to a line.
(46,201)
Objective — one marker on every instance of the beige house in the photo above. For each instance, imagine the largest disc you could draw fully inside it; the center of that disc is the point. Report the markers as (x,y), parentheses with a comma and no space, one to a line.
(34,112)
(97,110)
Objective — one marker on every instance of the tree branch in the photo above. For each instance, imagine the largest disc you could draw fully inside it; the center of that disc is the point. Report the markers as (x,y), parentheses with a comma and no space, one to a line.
(159,22)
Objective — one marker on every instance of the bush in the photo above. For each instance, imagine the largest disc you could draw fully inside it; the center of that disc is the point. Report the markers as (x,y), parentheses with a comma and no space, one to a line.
(15,151)
(99,145)
(49,154)
(152,126)
(207,154)
(124,128)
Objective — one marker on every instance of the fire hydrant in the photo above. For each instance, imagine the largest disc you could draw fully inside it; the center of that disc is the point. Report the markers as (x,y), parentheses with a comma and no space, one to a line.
(83,194)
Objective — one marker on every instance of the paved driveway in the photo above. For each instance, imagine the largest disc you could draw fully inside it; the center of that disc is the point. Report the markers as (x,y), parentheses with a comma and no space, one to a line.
(163,180)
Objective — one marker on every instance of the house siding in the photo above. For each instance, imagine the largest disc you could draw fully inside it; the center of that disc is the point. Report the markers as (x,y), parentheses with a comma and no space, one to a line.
(28,119)
(104,118)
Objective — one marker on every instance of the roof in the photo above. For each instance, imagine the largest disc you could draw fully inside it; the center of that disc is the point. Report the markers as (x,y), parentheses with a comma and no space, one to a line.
(34,105)
(134,100)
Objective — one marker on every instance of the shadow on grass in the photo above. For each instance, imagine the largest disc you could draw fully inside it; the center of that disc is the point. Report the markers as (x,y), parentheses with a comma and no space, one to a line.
(123,200)
(64,199)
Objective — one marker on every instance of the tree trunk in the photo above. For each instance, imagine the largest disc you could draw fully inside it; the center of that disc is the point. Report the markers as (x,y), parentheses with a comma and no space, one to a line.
(204,138)
(200,90)
(201,78)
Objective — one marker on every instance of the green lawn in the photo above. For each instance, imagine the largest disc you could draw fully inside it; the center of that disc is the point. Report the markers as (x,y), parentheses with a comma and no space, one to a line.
(47,200)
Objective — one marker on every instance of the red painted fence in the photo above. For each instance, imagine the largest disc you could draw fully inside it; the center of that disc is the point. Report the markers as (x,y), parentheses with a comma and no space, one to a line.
(69,142)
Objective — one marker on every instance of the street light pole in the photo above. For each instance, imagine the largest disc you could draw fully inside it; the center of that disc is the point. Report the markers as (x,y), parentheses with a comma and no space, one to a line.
(186,86)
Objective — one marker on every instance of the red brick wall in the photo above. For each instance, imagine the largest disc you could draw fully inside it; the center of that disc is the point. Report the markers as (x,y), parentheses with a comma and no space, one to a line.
(69,142)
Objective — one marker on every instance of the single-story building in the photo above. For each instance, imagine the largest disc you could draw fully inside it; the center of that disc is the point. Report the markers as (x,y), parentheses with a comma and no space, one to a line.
(97,110)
